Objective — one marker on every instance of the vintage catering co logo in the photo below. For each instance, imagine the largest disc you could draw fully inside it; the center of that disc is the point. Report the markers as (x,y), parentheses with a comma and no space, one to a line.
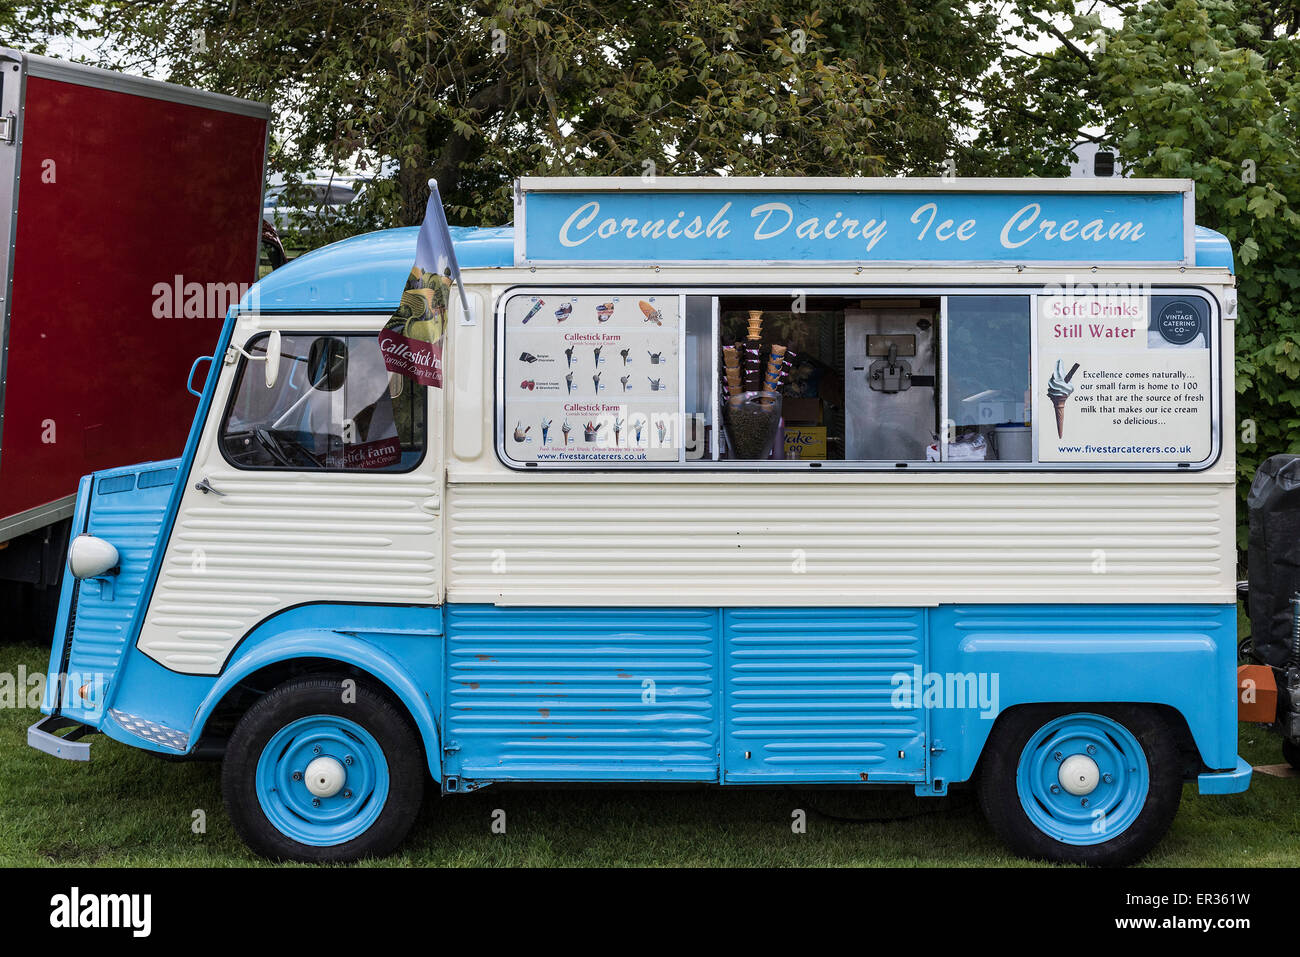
(1178,322)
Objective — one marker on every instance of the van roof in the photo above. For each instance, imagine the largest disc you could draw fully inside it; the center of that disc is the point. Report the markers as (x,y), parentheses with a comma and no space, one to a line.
(368,272)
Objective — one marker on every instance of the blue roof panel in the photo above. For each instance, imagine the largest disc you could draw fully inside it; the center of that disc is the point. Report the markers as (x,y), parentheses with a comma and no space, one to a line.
(369,271)
(1213,249)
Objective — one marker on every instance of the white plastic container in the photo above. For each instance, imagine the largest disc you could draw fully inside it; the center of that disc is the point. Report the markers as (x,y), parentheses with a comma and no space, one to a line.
(1013,443)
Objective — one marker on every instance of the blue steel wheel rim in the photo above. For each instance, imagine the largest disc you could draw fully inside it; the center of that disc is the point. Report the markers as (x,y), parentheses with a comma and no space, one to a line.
(1121,773)
(321,820)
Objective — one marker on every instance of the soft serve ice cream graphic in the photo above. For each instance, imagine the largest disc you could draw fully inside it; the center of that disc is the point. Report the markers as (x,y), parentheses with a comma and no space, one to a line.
(1058,390)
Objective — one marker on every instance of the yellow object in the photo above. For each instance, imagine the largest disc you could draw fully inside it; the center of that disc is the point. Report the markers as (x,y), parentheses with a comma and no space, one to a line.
(805,441)
(425,320)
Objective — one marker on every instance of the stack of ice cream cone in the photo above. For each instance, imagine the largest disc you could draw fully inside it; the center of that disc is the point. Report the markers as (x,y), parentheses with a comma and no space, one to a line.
(775,369)
(731,369)
(750,352)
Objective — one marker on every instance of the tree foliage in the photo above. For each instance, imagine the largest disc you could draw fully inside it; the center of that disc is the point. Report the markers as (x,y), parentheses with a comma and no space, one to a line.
(1040,98)
(33,27)
(480,93)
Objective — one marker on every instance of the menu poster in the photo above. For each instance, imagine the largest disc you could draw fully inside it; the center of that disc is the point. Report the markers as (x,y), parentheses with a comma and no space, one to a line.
(592,378)
(1124,378)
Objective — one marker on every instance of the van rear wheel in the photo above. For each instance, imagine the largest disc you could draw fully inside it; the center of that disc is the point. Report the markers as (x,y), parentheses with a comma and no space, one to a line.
(1099,786)
(312,775)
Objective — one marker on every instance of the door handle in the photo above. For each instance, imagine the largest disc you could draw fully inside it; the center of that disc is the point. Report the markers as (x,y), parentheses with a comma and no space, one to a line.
(433,505)
(189,382)
(205,487)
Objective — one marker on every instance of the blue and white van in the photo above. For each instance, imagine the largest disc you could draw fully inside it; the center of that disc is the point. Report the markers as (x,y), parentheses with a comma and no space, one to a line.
(742,482)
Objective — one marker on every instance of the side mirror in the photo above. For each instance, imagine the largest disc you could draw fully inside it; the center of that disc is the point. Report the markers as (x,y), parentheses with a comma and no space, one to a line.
(272,358)
(327,363)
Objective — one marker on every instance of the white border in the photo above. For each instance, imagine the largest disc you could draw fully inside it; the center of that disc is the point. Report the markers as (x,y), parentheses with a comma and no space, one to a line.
(884,465)
(945,413)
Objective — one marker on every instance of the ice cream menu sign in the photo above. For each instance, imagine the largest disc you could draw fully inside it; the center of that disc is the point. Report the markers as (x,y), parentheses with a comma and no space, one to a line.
(592,378)
(765,219)
(1124,378)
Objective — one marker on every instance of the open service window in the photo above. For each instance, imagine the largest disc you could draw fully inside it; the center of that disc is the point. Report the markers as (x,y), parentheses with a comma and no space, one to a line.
(972,378)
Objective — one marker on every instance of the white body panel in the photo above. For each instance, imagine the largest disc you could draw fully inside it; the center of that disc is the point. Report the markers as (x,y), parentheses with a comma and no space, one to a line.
(805,541)
(276,539)
(702,536)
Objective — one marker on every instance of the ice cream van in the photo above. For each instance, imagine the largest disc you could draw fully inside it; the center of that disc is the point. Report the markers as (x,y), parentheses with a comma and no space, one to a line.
(741,482)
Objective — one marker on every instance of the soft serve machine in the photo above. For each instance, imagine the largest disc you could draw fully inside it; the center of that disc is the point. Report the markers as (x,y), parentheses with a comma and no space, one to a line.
(890,387)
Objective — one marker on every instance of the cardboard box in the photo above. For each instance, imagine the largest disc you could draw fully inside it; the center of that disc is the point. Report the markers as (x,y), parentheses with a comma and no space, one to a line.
(805,441)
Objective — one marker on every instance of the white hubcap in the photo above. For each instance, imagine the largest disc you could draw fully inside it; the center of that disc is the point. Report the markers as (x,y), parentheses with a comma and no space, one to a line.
(1078,774)
(325,777)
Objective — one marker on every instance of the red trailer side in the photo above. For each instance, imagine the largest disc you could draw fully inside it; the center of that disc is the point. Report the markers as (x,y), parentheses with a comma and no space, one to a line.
(134,220)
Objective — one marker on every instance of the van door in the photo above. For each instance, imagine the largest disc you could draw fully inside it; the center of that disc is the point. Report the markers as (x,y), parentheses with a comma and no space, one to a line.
(824,695)
(323,488)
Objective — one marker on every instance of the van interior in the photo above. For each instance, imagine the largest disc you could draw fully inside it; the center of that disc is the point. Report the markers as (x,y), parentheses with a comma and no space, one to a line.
(855,378)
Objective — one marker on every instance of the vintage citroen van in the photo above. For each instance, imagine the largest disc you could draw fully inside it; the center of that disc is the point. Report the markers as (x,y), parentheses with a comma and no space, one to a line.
(744,482)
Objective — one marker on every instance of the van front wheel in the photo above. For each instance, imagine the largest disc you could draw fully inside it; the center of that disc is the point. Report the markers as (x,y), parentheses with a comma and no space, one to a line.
(319,770)
(1098,786)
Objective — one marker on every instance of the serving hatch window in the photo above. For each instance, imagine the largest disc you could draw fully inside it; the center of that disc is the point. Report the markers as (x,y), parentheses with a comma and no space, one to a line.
(662,378)
(990,373)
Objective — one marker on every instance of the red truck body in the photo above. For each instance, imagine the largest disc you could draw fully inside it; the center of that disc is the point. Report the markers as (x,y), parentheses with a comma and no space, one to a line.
(132,214)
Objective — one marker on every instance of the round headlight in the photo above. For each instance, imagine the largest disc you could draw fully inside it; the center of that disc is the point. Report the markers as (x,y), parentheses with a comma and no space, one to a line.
(91,557)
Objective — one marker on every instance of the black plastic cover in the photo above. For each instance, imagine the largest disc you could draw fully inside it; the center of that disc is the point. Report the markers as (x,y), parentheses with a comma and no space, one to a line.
(1273,556)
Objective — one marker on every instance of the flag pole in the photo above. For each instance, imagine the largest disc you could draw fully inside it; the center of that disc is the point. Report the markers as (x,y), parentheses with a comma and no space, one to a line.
(464,300)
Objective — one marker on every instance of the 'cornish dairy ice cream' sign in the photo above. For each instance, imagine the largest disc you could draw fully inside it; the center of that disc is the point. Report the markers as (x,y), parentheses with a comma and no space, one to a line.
(665,224)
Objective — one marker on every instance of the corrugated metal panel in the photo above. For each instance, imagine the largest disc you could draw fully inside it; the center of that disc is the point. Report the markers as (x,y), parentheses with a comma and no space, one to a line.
(566,695)
(277,539)
(810,694)
(129,518)
(819,542)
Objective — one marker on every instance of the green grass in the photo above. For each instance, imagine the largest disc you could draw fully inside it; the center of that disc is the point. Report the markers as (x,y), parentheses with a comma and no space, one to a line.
(127,808)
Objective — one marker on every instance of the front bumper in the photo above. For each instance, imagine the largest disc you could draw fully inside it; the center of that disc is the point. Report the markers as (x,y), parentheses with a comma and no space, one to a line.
(69,747)
(1226,782)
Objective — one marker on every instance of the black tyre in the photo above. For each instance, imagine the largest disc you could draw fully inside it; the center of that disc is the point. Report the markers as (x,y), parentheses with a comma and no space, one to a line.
(1083,784)
(312,775)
